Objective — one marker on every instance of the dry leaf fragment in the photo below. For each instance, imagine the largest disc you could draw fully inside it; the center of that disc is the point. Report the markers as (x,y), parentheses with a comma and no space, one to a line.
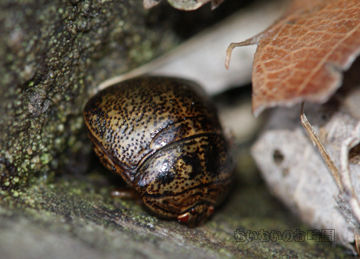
(186,5)
(326,197)
(300,178)
(301,56)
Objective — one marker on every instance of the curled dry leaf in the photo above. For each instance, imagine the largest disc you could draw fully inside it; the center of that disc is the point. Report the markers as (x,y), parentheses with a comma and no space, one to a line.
(301,56)
(295,171)
(186,5)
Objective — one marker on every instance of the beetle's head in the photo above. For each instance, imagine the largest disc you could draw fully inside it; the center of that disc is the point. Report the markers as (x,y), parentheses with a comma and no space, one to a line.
(196,214)
(187,180)
(191,213)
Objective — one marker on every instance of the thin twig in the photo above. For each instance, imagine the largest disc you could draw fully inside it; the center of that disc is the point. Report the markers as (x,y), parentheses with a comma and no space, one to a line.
(315,139)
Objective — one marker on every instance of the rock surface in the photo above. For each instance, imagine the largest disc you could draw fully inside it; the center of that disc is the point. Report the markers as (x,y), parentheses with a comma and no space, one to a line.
(77,218)
(53,202)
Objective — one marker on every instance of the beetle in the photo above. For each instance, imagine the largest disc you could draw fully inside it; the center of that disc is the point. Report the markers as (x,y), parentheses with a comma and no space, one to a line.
(162,135)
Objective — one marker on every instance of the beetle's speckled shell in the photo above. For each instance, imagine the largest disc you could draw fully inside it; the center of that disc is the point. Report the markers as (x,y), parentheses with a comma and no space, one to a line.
(163,136)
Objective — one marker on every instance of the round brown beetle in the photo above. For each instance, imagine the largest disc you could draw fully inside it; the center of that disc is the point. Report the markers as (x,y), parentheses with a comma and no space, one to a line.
(163,137)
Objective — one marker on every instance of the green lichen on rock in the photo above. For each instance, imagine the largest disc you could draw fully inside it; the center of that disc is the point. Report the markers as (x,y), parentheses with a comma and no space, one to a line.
(52,53)
(78,215)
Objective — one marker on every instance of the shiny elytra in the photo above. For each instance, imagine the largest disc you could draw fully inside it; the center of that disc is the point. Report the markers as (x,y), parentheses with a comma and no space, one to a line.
(163,137)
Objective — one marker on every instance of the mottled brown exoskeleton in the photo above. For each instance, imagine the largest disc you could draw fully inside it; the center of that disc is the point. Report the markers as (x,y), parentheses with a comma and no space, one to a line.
(163,137)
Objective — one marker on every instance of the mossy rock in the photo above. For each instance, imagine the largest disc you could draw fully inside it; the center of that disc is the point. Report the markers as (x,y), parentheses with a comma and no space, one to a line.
(53,202)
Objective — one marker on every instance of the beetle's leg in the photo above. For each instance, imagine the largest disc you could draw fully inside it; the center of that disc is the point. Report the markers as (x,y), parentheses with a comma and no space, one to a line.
(125,193)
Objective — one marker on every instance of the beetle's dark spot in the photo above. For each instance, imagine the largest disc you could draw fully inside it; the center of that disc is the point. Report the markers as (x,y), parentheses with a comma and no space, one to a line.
(193,161)
(165,177)
(212,154)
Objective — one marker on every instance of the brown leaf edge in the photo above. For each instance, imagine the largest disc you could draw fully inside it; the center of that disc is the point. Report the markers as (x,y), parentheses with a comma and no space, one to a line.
(335,70)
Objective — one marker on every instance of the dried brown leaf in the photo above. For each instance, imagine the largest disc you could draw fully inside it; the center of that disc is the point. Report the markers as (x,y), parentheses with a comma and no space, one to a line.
(301,57)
